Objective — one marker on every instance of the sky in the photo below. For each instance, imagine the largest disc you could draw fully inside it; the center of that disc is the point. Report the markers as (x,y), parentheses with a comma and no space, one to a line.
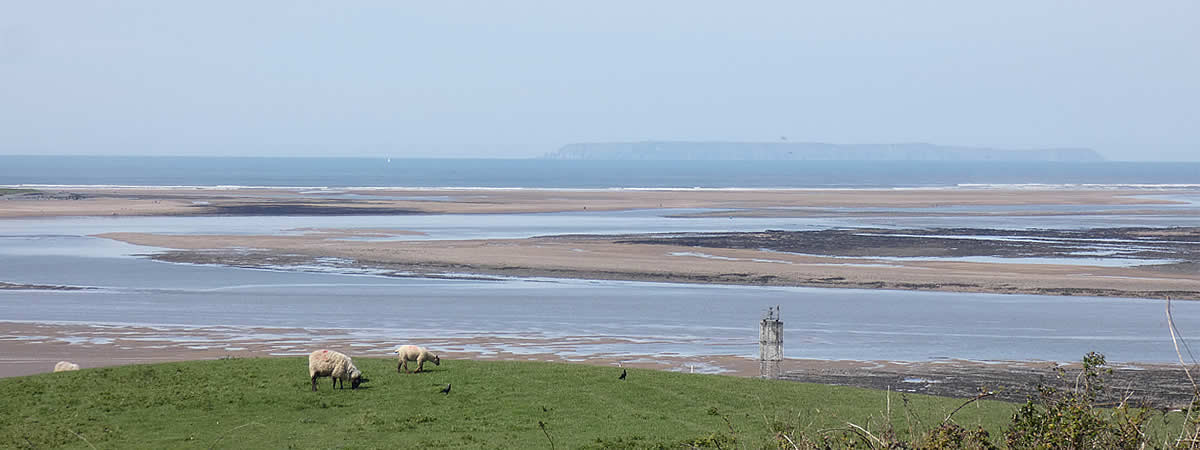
(518,78)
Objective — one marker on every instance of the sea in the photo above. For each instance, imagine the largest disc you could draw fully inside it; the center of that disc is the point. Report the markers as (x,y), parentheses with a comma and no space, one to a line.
(621,319)
(578,174)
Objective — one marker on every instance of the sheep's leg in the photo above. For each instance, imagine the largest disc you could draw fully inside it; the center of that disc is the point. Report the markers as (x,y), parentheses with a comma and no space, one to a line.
(398,365)
(420,364)
(314,383)
(335,380)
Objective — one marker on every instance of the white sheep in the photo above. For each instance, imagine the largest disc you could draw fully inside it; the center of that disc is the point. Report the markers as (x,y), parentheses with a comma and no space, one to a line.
(408,353)
(64,366)
(328,363)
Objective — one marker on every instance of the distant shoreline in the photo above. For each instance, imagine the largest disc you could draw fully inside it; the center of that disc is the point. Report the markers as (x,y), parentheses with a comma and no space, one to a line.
(784,150)
(536,173)
(1166,187)
(224,200)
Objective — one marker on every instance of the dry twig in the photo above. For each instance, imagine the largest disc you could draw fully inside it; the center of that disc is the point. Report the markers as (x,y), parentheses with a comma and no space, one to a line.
(80,436)
(1175,340)
(542,425)
(1195,390)
(863,432)
(968,402)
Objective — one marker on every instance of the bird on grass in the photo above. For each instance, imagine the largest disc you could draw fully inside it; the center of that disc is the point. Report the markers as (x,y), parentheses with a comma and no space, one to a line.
(622,377)
(446,390)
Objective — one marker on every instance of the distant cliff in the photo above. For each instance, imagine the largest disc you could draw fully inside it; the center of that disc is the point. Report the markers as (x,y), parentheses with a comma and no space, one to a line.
(809,151)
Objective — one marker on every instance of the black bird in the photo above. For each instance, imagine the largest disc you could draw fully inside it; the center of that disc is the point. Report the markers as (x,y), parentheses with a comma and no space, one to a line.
(446,390)
(622,377)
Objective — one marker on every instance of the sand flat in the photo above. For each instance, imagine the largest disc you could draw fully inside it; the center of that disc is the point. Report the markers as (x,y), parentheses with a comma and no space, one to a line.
(144,201)
(604,258)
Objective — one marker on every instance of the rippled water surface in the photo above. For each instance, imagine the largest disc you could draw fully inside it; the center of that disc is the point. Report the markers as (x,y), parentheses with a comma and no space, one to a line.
(640,318)
(647,317)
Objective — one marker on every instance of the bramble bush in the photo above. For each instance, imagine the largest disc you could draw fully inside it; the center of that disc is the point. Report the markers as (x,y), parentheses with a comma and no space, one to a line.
(1054,419)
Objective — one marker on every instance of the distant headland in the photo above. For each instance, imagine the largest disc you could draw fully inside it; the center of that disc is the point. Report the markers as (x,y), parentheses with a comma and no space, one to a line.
(809,151)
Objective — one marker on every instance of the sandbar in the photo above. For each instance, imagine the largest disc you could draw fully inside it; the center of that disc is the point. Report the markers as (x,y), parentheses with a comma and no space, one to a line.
(146,201)
(613,258)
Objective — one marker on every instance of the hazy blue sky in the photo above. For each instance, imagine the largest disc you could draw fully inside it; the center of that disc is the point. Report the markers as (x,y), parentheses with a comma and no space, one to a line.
(517,78)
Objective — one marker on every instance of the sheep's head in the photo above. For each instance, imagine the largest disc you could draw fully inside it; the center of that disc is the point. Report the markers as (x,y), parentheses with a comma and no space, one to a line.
(436,360)
(356,378)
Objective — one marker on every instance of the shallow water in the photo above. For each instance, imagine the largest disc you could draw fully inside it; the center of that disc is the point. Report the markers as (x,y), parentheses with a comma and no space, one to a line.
(629,318)
(644,318)
(511,226)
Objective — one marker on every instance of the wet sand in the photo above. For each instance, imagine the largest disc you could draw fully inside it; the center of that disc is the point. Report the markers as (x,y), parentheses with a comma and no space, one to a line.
(267,201)
(615,258)
(45,287)
(1156,386)
(30,348)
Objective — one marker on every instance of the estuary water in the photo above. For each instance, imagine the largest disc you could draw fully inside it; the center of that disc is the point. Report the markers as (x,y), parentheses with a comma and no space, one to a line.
(634,318)
(515,226)
(598,317)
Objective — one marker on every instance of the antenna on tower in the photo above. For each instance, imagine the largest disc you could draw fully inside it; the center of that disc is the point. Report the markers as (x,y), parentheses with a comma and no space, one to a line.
(770,343)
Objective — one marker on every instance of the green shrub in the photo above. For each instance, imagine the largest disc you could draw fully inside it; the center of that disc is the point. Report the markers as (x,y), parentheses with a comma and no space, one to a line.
(1069,418)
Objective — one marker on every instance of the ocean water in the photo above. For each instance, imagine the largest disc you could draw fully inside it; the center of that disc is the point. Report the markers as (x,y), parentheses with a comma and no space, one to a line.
(544,173)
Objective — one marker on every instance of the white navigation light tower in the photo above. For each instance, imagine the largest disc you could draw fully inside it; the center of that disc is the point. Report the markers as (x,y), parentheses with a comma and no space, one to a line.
(770,343)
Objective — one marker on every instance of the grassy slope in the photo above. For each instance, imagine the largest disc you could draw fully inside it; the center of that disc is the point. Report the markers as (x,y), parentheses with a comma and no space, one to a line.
(244,403)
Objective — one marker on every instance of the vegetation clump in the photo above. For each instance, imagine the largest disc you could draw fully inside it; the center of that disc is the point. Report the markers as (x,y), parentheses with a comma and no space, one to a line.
(1056,418)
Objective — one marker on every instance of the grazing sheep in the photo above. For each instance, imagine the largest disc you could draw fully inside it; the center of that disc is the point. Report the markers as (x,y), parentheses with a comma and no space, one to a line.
(64,366)
(414,353)
(328,363)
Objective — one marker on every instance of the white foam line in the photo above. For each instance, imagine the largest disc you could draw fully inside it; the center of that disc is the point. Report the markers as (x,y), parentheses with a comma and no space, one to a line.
(344,189)
(1037,239)
(1047,186)
(726,258)
(1068,261)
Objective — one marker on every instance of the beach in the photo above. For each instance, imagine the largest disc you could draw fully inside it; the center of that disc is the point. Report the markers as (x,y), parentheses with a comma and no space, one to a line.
(150,201)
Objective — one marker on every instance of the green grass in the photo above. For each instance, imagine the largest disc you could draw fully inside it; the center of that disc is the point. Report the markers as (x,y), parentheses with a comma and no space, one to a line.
(266,403)
(8,191)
